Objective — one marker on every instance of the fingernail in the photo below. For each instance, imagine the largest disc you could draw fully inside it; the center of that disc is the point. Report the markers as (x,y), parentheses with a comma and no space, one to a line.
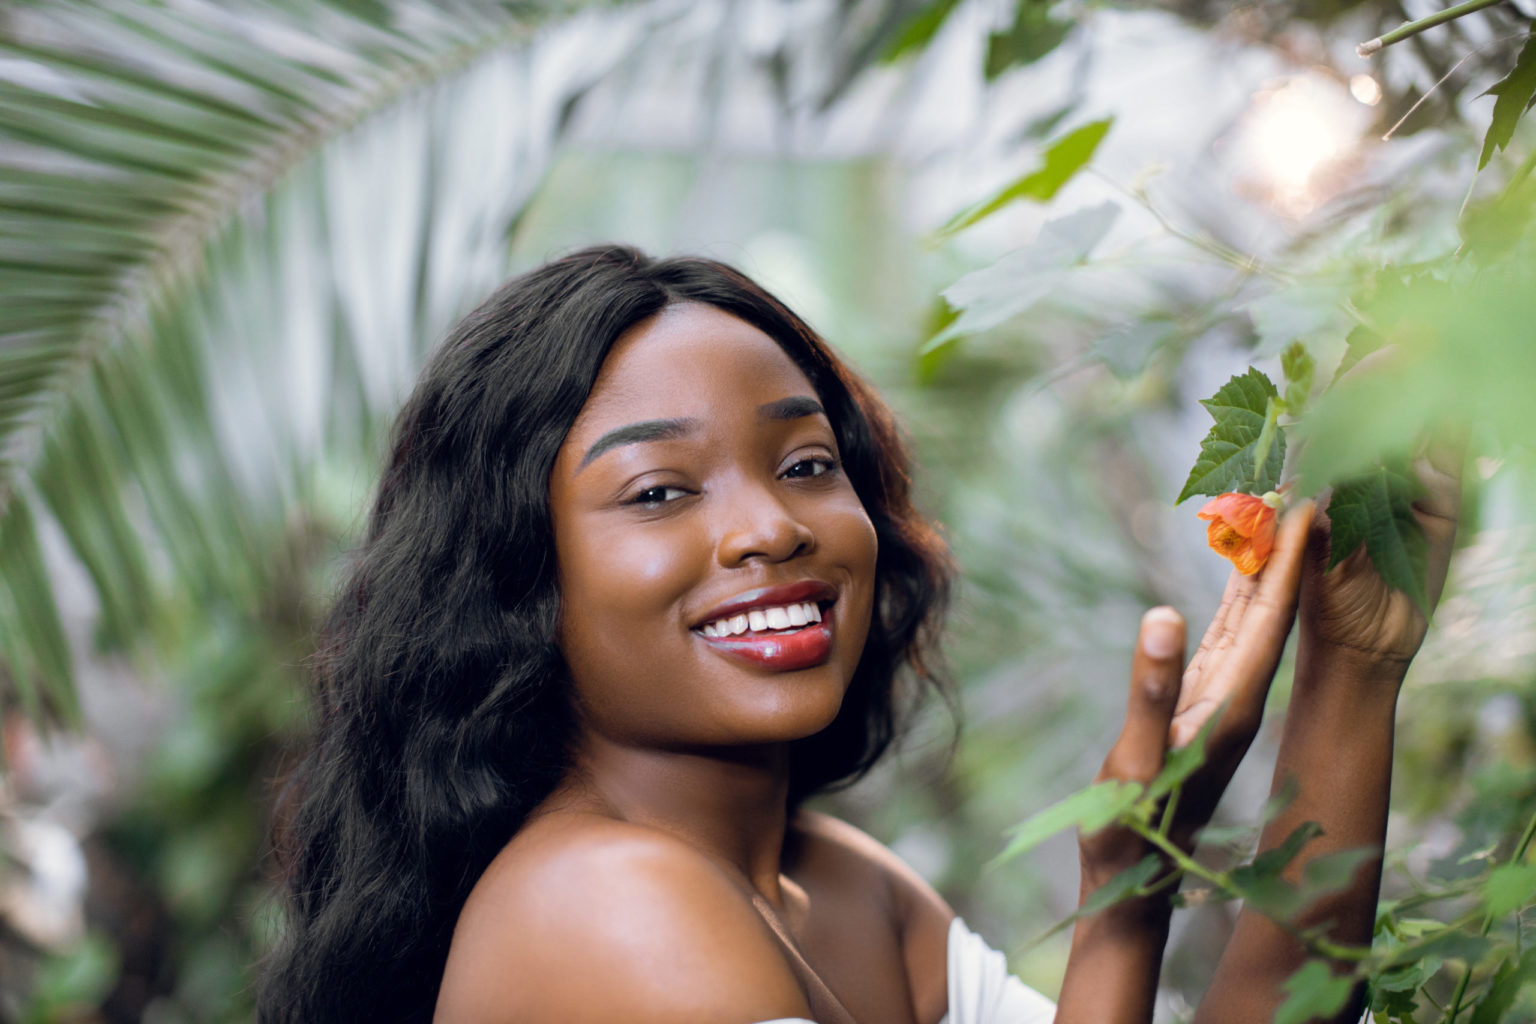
(1162,633)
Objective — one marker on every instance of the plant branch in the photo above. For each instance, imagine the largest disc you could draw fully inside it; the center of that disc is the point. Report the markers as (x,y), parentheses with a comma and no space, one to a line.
(1223,881)
(1413,28)
(1466,977)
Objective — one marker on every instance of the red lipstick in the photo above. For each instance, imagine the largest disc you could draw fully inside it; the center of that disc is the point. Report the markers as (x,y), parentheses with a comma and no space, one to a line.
(806,647)
(776,649)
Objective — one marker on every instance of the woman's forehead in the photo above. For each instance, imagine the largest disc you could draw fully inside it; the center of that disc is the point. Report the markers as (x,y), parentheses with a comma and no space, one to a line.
(689,360)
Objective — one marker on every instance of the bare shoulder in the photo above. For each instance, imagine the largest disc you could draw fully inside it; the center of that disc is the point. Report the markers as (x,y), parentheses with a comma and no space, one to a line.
(832,845)
(578,897)
(837,857)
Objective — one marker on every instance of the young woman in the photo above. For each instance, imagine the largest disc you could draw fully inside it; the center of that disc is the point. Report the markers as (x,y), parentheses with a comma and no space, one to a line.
(643,574)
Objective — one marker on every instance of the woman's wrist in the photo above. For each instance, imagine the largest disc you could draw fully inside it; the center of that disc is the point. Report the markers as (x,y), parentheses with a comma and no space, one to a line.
(1142,915)
(1331,663)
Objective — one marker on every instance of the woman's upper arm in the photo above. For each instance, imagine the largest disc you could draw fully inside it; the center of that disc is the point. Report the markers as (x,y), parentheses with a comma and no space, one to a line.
(620,925)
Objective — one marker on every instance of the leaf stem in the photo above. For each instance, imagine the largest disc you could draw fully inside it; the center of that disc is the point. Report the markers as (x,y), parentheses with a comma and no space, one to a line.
(1168,810)
(1413,28)
(1223,881)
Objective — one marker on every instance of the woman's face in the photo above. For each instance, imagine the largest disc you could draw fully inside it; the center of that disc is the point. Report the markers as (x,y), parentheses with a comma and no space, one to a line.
(716,568)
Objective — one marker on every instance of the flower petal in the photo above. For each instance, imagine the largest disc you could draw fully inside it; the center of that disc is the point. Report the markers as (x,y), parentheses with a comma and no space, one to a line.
(1242,529)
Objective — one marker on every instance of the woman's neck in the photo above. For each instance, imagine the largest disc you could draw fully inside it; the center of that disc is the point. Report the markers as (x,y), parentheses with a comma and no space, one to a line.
(731,803)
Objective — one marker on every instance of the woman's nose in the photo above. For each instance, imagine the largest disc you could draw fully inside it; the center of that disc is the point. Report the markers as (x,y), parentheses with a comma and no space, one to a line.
(760,525)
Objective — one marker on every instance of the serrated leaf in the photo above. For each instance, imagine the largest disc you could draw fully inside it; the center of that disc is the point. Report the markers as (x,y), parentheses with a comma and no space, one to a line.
(1088,809)
(1376,510)
(1060,162)
(1314,991)
(1509,888)
(1299,368)
(1227,454)
(994,294)
(1515,92)
(1409,977)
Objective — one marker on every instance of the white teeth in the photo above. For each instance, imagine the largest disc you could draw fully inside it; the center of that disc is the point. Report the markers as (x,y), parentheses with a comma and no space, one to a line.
(789,616)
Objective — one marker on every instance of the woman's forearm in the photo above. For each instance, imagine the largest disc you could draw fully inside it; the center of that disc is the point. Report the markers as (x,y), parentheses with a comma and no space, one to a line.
(1337,747)
(1114,964)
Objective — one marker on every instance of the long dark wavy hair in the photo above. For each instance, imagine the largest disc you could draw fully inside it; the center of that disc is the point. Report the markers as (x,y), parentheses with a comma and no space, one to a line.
(443,710)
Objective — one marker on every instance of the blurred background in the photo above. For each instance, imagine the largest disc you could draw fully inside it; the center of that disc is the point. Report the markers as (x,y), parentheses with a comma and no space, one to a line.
(230,232)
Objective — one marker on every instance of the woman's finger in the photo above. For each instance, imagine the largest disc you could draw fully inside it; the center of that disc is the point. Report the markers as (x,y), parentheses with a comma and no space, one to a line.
(1218,634)
(1237,669)
(1156,669)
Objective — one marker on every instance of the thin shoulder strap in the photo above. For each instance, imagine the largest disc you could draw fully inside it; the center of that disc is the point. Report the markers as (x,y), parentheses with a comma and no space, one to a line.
(825,1006)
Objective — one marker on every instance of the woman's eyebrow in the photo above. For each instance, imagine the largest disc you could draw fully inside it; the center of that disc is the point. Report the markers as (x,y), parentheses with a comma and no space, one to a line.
(635,433)
(791,408)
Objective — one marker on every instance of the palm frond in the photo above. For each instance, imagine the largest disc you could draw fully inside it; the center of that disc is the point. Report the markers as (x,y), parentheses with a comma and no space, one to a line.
(227,232)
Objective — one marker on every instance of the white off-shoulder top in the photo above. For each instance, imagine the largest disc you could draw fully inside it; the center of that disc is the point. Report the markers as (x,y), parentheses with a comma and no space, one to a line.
(981,991)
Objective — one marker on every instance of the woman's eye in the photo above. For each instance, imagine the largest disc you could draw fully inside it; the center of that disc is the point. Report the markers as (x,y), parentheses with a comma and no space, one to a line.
(658,495)
(810,467)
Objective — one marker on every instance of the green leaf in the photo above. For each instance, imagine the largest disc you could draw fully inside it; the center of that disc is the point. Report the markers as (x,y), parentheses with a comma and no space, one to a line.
(1260,881)
(1062,160)
(1333,872)
(1306,308)
(1510,978)
(1515,92)
(1299,367)
(1376,510)
(1510,887)
(32,639)
(1314,992)
(1409,977)
(918,31)
(1362,341)
(1088,809)
(1033,34)
(1267,435)
(994,294)
(1182,762)
(1228,454)
(1125,884)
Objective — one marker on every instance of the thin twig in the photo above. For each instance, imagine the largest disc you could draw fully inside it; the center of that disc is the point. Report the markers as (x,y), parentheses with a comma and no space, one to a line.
(1430,92)
(1413,28)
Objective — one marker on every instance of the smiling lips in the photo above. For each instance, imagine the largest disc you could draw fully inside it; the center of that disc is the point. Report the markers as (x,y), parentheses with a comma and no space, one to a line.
(778,628)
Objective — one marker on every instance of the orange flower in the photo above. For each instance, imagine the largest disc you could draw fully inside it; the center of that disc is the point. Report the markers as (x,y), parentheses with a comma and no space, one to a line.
(1242,528)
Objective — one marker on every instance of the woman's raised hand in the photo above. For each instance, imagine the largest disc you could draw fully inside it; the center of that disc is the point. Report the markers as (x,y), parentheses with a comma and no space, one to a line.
(1116,954)
(1170,704)
(1351,609)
